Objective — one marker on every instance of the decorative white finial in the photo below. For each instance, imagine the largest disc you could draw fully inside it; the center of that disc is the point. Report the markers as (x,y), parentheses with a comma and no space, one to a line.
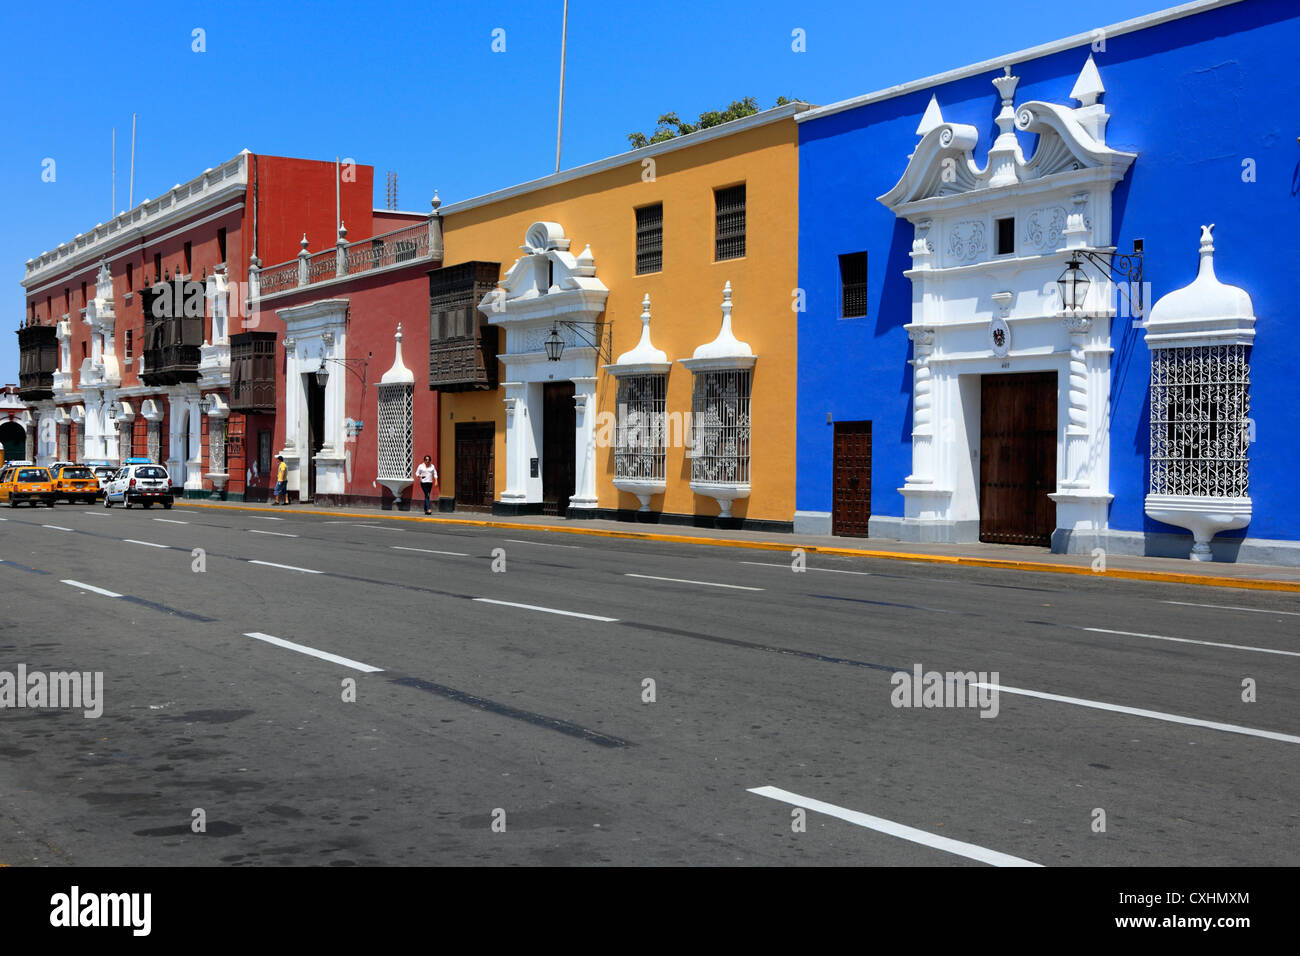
(725,345)
(933,117)
(399,374)
(304,242)
(343,231)
(1207,238)
(435,202)
(645,353)
(1088,86)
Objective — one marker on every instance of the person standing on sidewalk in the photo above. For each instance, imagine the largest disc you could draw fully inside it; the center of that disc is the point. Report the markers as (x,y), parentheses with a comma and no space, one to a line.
(426,475)
(281,477)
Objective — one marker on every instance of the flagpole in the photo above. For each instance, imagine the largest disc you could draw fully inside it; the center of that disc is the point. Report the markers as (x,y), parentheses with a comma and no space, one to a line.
(564,41)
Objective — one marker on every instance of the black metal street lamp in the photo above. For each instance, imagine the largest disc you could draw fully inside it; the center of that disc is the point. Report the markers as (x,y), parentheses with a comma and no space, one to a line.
(554,345)
(1073,284)
(322,374)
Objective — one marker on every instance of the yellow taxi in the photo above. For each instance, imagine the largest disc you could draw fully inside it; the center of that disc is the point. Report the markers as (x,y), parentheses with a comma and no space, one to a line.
(26,483)
(76,483)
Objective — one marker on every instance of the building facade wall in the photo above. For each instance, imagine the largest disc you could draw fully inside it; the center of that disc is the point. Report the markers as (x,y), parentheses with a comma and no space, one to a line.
(1203,102)
(599,211)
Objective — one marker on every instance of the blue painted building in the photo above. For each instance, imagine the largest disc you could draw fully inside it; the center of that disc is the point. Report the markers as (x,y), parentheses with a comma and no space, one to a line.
(974,361)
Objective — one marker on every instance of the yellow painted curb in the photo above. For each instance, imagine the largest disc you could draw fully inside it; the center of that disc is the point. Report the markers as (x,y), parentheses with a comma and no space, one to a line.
(1169,577)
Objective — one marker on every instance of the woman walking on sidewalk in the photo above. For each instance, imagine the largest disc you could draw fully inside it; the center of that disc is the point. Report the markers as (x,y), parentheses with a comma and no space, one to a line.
(426,475)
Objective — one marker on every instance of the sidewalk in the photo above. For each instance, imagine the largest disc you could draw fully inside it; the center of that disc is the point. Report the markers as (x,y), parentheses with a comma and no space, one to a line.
(1011,557)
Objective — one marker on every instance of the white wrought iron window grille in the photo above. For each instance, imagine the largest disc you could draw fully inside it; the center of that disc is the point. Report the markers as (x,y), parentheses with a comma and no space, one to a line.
(1199,425)
(396,438)
(640,449)
(720,413)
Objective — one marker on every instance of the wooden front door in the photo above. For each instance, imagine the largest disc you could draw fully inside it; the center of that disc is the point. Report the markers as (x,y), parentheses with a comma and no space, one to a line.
(559,421)
(1018,458)
(475,460)
(852,479)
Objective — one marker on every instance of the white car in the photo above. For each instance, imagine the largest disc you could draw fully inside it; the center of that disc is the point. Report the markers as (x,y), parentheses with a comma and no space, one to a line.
(104,474)
(139,484)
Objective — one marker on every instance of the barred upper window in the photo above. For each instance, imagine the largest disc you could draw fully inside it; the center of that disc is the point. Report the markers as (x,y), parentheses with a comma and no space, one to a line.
(720,413)
(853,285)
(650,239)
(729,229)
(1199,425)
(640,446)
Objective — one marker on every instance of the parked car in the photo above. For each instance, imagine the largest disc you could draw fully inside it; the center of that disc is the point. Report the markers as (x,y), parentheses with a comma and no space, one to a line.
(26,483)
(141,484)
(103,474)
(76,483)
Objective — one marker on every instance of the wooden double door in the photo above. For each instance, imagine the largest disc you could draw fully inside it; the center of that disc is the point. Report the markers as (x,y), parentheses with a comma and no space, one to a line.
(1018,458)
(475,465)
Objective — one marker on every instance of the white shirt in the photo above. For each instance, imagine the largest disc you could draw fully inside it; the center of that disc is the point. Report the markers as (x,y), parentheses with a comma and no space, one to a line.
(426,473)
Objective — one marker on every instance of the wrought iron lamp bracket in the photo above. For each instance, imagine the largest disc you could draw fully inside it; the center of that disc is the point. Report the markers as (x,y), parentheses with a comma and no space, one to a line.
(1124,271)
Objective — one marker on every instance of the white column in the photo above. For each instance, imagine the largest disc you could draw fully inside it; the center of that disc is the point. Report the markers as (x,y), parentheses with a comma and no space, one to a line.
(293,411)
(518,443)
(584,446)
(922,414)
(1076,429)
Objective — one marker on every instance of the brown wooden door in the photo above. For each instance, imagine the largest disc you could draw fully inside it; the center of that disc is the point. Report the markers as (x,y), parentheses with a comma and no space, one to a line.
(559,420)
(1018,458)
(475,465)
(852,479)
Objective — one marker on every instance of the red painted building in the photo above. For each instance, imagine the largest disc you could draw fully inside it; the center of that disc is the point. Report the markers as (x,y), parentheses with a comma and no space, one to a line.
(137,337)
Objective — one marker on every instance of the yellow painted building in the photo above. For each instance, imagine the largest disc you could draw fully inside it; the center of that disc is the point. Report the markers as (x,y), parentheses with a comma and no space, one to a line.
(578,253)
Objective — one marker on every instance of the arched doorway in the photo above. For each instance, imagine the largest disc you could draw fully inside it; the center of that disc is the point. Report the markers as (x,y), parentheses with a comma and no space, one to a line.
(14,439)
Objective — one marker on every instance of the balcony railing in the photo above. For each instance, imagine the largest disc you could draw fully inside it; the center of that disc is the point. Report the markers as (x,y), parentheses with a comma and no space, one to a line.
(412,243)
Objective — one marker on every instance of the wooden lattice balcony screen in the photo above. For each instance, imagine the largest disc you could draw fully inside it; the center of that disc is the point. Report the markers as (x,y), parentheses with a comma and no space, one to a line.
(252,372)
(462,345)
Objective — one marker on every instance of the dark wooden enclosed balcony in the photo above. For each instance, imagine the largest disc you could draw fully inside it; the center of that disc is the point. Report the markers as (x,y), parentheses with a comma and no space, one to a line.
(252,372)
(462,344)
(38,350)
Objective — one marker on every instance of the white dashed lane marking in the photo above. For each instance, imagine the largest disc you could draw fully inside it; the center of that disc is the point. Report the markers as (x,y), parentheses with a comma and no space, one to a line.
(970,851)
(549,610)
(312,652)
(707,584)
(91,587)
(287,567)
(1189,640)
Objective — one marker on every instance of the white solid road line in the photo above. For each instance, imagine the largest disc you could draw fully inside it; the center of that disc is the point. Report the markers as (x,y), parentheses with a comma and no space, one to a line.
(97,514)
(541,544)
(312,652)
(459,554)
(91,587)
(1188,640)
(171,521)
(707,584)
(266,518)
(1139,712)
(147,544)
(1229,607)
(768,564)
(549,610)
(381,527)
(278,534)
(287,567)
(969,850)
(55,527)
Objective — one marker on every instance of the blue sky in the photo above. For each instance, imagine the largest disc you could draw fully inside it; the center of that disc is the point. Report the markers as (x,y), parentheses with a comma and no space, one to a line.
(417,87)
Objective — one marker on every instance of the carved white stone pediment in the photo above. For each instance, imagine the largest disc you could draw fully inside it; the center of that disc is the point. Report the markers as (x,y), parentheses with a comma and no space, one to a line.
(1069,139)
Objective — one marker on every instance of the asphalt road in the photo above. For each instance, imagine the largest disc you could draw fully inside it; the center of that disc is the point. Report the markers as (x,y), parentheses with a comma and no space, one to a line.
(490,728)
